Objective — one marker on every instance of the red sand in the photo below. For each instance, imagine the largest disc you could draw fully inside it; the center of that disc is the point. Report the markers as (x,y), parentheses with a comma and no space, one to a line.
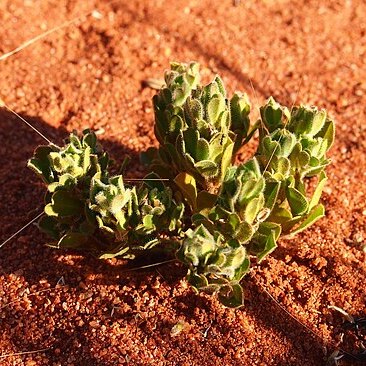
(90,75)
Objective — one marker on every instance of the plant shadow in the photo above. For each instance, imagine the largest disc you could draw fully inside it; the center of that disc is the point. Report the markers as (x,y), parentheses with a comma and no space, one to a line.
(26,260)
(21,199)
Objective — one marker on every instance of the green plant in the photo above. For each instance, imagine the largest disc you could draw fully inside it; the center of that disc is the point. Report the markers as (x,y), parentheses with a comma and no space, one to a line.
(292,147)
(198,128)
(215,265)
(87,209)
(215,217)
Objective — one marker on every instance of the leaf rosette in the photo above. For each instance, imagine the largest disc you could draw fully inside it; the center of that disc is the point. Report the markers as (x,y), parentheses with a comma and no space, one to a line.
(198,128)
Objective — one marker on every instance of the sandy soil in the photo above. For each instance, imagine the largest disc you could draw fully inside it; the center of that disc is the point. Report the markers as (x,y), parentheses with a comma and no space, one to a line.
(81,311)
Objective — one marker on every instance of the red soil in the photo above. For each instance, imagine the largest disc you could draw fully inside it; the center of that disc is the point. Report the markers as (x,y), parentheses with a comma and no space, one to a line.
(90,75)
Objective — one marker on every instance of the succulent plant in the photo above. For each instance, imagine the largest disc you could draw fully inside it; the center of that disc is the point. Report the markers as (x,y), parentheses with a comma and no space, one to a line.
(240,206)
(198,128)
(292,147)
(294,142)
(68,172)
(215,265)
(243,206)
(160,212)
(212,215)
(269,194)
(134,218)
(77,162)
(87,209)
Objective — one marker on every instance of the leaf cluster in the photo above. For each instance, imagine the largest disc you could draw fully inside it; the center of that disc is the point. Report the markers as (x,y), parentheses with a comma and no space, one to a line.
(87,209)
(220,217)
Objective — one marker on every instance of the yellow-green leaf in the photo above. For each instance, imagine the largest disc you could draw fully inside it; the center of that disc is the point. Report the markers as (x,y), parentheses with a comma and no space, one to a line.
(187,185)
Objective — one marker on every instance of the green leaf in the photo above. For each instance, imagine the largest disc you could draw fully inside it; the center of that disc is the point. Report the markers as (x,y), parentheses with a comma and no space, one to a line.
(86,159)
(244,232)
(225,121)
(283,166)
(197,281)
(271,115)
(75,143)
(160,127)
(104,162)
(271,193)
(297,201)
(164,97)
(226,159)
(214,108)
(175,125)
(315,214)
(243,269)
(318,122)
(49,225)
(194,109)
(318,190)
(234,220)
(231,296)
(66,182)
(197,247)
(203,127)
(217,145)
(205,200)
(41,164)
(58,163)
(271,148)
(266,228)
(119,201)
(180,144)
(253,207)
(251,189)
(327,132)
(240,108)
(148,222)
(187,185)
(179,96)
(73,241)
(280,215)
(207,168)
(89,139)
(289,224)
(269,247)
(171,151)
(120,252)
(202,150)
(288,141)
(62,204)
(220,85)
(229,261)
(264,241)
